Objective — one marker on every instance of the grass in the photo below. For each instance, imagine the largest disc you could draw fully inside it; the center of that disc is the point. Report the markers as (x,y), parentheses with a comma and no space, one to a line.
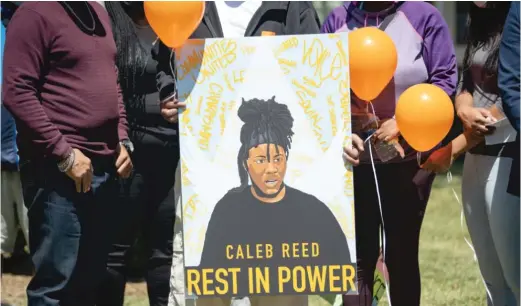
(449,273)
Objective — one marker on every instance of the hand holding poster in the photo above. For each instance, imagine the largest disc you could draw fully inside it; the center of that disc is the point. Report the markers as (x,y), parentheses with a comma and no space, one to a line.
(267,200)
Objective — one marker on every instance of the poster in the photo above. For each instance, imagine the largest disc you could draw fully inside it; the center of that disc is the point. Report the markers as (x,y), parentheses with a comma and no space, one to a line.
(267,202)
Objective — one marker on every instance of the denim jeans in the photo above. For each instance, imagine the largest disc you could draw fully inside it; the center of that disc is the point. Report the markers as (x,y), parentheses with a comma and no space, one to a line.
(69,232)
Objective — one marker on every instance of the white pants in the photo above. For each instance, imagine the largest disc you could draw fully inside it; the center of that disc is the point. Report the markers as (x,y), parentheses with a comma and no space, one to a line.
(492,217)
(12,209)
(177,281)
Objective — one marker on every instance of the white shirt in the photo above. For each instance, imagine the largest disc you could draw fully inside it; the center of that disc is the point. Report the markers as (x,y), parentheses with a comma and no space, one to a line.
(235,16)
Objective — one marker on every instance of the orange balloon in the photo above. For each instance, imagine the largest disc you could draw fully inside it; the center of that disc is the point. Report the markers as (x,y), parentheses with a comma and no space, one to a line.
(424,115)
(372,61)
(174,21)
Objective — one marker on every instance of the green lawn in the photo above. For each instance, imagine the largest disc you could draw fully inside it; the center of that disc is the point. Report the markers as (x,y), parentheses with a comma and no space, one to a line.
(449,274)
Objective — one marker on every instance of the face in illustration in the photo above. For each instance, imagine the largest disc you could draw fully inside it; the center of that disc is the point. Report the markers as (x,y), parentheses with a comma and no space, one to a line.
(267,174)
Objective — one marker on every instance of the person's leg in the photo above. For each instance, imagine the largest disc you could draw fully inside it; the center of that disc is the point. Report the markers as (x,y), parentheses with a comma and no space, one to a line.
(504,224)
(160,236)
(367,222)
(68,236)
(126,225)
(405,193)
(8,234)
(476,171)
(21,210)
(55,232)
(96,216)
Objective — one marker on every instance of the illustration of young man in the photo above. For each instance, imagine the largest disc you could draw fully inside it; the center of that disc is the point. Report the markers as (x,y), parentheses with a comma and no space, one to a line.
(267,223)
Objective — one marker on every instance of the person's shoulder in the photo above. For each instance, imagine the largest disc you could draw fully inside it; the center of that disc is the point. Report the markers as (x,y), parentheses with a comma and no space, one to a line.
(233,198)
(423,16)
(336,19)
(301,197)
(421,10)
(41,7)
(37,11)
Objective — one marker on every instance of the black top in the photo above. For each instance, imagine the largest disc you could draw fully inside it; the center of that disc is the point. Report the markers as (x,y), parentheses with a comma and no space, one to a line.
(147,126)
(241,219)
(279,17)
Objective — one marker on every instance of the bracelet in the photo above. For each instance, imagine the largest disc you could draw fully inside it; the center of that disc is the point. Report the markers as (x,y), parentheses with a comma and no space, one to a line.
(67,164)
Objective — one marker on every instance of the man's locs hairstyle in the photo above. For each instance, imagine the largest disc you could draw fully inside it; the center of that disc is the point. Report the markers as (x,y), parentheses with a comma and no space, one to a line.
(265,122)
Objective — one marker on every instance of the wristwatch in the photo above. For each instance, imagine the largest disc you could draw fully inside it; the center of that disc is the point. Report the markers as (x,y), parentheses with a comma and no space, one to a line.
(129,146)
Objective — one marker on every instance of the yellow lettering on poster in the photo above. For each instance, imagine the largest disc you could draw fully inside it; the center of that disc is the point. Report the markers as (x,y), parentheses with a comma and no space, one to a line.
(332,115)
(218,56)
(212,104)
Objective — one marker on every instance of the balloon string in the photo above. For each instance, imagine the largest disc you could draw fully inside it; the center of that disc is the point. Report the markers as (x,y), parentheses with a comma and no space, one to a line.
(387,285)
(173,72)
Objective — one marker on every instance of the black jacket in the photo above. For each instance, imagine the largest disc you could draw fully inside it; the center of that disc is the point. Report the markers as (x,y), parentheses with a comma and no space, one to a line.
(279,17)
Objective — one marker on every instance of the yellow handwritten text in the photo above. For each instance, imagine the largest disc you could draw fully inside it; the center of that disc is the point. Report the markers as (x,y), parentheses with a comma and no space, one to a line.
(212,104)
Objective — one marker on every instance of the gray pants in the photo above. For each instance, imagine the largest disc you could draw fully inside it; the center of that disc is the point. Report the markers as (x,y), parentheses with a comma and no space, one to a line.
(12,209)
(492,217)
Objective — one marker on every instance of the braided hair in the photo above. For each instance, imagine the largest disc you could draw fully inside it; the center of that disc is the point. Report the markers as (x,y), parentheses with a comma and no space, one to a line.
(131,57)
(265,122)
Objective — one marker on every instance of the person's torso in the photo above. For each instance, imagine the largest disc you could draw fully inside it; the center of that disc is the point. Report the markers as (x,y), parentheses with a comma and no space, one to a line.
(146,125)
(406,29)
(271,16)
(235,16)
(486,94)
(78,80)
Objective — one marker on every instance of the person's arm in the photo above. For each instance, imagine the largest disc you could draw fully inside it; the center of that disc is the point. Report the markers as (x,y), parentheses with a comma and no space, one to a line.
(165,78)
(465,91)
(27,45)
(439,54)
(508,74)
(309,22)
(123,123)
(333,20)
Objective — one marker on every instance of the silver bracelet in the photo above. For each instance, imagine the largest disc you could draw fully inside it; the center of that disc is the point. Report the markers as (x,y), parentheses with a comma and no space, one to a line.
(67,164)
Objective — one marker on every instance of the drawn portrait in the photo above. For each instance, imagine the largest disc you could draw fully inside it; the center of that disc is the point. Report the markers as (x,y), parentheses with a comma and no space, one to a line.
(267,201)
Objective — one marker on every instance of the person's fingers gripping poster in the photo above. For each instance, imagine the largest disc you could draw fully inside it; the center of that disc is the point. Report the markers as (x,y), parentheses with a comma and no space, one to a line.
(266,198)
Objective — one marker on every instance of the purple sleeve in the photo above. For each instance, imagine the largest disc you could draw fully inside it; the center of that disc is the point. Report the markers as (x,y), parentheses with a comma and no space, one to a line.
(439,54)
(334,20)
(123,124)
(26,46)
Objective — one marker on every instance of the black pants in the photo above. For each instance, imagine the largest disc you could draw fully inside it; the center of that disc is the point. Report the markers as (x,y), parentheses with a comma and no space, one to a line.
(147,204)
(404,190)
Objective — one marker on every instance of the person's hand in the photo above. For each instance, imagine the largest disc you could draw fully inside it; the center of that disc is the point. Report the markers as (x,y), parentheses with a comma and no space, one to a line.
(170,110)
(81,171)
(388,130)
(123,162)
(352,153)
(440,160)
(476,119)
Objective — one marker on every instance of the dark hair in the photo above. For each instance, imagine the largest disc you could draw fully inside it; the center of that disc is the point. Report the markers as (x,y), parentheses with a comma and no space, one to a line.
(131,56)
(484,29)
(264,122)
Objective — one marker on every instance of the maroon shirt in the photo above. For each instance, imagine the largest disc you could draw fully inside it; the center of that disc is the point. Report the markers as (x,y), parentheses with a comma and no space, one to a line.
(60,84)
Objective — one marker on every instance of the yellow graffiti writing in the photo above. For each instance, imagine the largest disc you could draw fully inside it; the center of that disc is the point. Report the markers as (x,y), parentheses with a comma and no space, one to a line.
(212,104)
(217,57)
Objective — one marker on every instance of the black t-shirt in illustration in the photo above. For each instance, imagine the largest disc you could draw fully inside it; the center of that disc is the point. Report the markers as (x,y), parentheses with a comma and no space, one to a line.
(241,219)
